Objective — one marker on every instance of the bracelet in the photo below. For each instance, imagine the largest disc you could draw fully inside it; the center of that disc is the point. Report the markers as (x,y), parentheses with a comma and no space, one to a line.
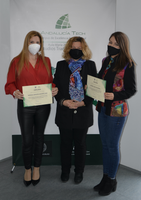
(61,102)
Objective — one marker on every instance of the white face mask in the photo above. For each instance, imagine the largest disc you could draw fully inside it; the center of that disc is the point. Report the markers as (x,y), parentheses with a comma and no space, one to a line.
(34,48)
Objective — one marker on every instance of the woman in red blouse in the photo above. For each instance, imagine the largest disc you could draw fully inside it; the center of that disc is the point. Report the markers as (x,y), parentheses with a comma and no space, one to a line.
(31,67)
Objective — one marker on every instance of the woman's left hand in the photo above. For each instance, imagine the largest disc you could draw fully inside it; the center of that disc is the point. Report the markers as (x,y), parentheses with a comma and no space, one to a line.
(78,104)
(109,95)
(54,91)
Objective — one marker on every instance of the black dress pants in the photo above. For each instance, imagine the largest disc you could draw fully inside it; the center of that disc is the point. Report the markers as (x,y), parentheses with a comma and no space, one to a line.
(32,120)
(68,137)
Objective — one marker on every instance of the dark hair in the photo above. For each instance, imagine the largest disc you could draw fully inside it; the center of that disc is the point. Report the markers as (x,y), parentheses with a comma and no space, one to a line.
(124,56)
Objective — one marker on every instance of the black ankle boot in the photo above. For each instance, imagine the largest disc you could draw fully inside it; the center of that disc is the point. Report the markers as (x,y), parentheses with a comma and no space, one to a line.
(101,184)
(78,178)
(110,186)
(64,177)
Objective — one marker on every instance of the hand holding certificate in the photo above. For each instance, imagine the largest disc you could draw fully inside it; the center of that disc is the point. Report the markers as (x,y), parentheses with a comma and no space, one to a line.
(37,95)
(96,88)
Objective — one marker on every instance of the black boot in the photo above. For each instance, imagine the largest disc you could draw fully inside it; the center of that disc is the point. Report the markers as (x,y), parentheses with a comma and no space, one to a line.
(101,184)
(64,177)
(78,178)
(110,186)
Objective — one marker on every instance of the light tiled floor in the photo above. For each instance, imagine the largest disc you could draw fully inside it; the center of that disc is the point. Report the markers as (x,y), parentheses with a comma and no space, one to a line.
(51,188)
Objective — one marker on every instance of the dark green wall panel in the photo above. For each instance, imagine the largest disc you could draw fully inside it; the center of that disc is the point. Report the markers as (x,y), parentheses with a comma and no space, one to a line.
(51,150)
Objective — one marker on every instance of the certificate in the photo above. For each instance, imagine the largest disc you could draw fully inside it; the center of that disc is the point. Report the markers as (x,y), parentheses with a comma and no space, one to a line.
(35,95)
(96,88)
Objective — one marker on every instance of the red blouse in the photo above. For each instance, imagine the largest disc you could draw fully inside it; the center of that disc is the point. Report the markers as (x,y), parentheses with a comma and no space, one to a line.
(28,76)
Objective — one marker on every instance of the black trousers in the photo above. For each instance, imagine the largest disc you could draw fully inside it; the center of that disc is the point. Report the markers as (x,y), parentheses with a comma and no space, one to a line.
(68,137)
(32,120)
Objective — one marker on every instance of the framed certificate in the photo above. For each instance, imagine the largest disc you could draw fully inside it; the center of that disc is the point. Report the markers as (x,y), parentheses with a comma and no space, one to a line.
(35,95)
(96,88)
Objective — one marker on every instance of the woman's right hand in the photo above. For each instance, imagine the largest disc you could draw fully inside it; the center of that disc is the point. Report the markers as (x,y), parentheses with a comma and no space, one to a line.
(70,104)
(18,95)
(54,91)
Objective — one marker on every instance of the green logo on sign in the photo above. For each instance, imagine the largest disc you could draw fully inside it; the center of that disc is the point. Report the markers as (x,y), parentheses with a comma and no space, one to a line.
(63,22)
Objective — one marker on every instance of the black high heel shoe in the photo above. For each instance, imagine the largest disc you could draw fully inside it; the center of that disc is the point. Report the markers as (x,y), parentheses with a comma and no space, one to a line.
(27,183)
(35,182)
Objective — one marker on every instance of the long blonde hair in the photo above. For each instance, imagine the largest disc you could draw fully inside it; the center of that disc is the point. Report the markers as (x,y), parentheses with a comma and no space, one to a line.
(24,55)
(87,54)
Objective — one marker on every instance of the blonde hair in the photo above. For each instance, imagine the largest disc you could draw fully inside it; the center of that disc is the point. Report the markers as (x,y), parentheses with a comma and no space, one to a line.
(87,54)
(23,56)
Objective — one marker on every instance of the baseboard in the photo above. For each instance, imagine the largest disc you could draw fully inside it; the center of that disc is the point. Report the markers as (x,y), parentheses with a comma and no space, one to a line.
(130,169)
(6,159)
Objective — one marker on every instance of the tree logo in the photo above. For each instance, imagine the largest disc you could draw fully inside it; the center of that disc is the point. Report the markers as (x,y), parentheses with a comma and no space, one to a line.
(63,22)
(44,147)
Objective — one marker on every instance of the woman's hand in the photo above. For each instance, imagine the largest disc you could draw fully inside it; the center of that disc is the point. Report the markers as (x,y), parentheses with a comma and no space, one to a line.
(79,103)
(109,95)
(85,87)
(18,95)
(72,104)
(54,91)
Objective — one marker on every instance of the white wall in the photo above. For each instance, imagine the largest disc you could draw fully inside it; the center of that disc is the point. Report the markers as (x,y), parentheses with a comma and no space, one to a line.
(44,22)
(26,16)
(5,107)
(128,15)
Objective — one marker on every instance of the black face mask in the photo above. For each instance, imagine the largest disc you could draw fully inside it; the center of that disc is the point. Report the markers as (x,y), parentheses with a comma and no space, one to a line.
(76,53)
(113,51)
